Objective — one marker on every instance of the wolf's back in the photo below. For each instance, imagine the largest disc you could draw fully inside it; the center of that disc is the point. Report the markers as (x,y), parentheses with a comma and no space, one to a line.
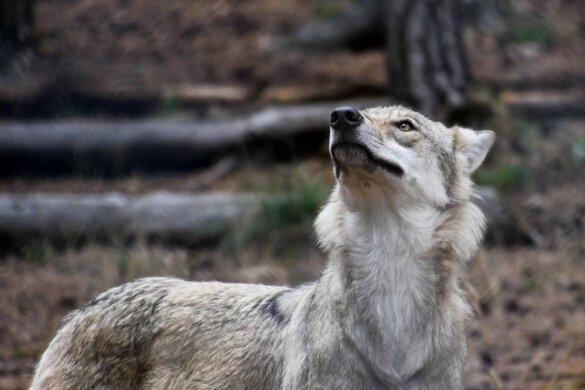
(162,332)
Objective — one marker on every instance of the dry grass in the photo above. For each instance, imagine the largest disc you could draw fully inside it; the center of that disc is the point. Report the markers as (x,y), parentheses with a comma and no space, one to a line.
(531,327)
(529,334)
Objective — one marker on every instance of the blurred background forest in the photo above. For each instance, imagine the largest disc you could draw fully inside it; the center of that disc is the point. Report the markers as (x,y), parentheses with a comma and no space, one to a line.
(189,139)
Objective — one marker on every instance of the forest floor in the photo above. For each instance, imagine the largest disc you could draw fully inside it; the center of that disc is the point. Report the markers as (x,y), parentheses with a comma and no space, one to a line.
(528,331)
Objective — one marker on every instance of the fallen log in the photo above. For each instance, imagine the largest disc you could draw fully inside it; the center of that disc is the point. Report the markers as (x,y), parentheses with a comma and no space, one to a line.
(119,147)
(202,93)
(546,104)
(181,219)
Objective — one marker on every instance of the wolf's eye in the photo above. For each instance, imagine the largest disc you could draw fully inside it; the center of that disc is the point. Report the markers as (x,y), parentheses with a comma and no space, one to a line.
(405,125)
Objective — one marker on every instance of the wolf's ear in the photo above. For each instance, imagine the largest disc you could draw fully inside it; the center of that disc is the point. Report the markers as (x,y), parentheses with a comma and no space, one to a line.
(474,145)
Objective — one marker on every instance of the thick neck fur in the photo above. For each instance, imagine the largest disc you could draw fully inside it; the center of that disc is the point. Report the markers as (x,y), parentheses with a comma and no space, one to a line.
(400,270)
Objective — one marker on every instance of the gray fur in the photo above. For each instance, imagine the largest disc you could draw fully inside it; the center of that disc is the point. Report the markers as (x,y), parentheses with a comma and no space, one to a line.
(387,312)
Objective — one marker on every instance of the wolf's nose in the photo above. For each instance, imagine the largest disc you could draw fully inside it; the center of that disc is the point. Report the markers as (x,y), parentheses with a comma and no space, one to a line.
(345,118)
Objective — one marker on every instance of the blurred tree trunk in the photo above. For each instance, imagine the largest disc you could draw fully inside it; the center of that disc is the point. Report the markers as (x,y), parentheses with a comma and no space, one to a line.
(16,29)
(427,65)
(426,57)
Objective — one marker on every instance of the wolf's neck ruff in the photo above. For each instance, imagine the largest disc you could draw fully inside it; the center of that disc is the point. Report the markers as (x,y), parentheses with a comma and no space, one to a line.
(393,263)
(385,255)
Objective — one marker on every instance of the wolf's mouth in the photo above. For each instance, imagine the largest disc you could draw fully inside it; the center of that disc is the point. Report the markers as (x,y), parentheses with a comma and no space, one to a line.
(393,168)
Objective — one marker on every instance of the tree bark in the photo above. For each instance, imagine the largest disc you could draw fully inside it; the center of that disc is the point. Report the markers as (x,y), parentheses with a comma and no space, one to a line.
(427,65)
(16,29)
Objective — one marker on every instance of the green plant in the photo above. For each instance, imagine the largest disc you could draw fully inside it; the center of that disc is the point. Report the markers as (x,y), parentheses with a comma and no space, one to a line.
(170,103)
(328,9)
(292,207)
(579,148)
(35,252)
(124,264)
(284,215)
(504,177)
(523,128)
(535,32)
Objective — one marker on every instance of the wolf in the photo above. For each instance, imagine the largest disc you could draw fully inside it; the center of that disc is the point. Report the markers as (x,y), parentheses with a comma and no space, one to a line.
(387,312)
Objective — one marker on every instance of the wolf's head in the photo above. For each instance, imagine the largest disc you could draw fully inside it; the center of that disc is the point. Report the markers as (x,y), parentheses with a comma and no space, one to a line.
(399,157)
(398,171)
